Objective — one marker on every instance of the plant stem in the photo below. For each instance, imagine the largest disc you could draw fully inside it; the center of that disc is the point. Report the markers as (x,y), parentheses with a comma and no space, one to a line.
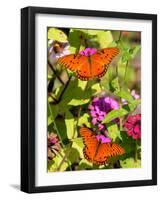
(121,118)
(62,93)
(54,72)
(54,99)
(120,34)
(135,152)
(119,38)
(126,70)
(65,157)
(70,146)
(121,123)
(117,74)
(55,126)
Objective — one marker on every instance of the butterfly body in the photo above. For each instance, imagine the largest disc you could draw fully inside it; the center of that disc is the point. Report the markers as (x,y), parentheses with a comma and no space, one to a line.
(97,151)
(89,66)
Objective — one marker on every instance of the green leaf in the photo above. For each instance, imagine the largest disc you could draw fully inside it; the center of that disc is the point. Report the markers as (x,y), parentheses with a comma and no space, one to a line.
(128,143)
(52,110)
(99,38)
(75,40)
(120,92)
(50,77)
(54,165)
(74,95)
(126,57)
(84,119)
(69,122)
(104,38)
(61,128)
(50,120)
(77,102)
(135,50)
(56,34)
(132,105)
(96,88)
(106,79)
(73,155)
(115,86)
(78,144)
(124,94)
(124,110)
(84,164)
(130,163)
(128,53)
(115,114)
(79,38)
(113,131)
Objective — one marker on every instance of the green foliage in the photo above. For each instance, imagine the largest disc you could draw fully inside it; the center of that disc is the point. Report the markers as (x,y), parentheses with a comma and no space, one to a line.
(84,164)
(113,131)
(75,36)
(124,94)
(103,38)
(115,114)
(84,120)
(68,103)
(56,164)
(69,122)
(78,144)
(106,80)
(124,110)
(73,155)
(57,35)
(130,163)
(115,86)
(74,94)
(80,38)
(128,52)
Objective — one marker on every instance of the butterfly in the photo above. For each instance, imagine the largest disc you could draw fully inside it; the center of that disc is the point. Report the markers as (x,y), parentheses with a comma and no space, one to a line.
(97,151)
(92,66)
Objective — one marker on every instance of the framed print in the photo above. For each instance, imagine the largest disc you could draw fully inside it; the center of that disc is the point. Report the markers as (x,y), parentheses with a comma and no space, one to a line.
(88,99)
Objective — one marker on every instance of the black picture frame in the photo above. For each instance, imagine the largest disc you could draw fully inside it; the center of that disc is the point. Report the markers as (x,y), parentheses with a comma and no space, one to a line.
(28,98)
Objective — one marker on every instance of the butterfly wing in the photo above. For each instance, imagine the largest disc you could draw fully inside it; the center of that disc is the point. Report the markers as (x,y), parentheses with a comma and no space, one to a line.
(70,61)
(97,152)
(77,63)
(100,61)
(115,150)
(102,155)
(105,56)
(89,67)
(90,142)
(107,150)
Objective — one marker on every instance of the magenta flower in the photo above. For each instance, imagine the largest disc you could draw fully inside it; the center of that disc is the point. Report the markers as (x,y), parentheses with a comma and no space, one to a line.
(99,109)
(53,145)
(103,139)
(133,126)
(88,51)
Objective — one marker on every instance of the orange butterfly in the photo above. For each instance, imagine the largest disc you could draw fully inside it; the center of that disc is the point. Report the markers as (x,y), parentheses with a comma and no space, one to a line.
(96,150)
(90,65)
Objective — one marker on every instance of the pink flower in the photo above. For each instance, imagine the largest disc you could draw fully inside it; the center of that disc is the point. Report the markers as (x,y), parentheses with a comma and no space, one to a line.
(103,139)
(99,109)
(135,95)
(88,51)
(133,126)
(57,50)
(53,145)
